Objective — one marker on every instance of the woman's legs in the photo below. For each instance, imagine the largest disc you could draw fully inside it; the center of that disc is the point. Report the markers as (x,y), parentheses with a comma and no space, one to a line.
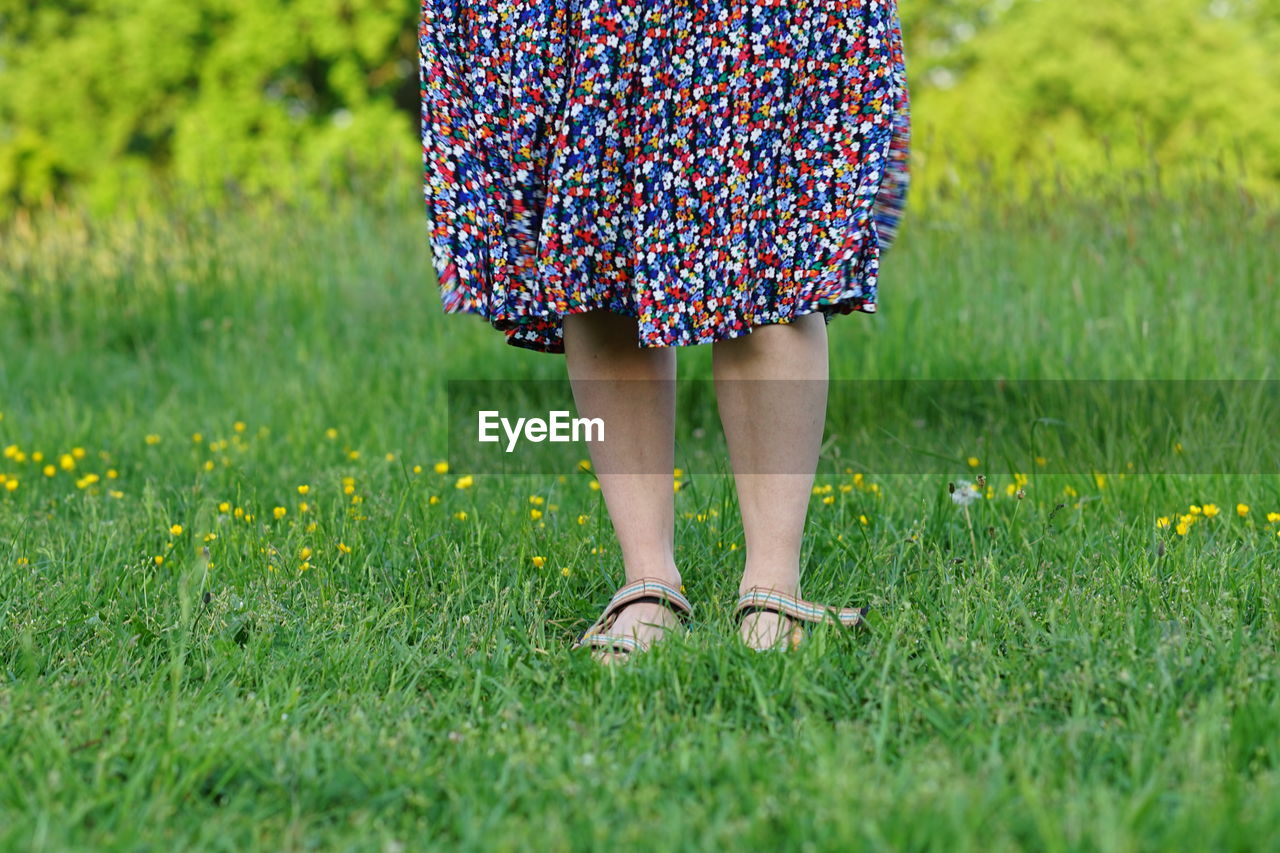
(771,387)
(632,389)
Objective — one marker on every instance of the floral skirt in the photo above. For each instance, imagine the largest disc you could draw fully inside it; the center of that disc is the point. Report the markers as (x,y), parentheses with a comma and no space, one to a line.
(704,167)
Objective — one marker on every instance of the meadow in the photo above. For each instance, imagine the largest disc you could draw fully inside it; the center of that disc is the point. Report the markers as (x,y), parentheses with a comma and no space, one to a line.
(246,601)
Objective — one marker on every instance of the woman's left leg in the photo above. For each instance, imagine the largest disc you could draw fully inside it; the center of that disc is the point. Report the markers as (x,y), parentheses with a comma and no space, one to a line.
(771,388)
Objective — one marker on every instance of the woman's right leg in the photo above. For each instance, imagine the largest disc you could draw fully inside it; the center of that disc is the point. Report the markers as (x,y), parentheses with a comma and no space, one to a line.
(632,389)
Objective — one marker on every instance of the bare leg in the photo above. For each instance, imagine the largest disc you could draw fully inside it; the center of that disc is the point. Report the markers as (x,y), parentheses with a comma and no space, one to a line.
(632,389)
(771,387)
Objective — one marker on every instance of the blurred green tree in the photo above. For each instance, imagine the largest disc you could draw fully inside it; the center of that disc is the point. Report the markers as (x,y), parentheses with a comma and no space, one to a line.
(237,95)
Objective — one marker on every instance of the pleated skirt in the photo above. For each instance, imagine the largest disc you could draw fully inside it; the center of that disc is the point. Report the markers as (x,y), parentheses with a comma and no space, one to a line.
(704,166)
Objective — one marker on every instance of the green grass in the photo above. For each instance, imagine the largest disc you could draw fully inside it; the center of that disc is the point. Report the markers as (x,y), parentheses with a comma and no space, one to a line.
(1052,673)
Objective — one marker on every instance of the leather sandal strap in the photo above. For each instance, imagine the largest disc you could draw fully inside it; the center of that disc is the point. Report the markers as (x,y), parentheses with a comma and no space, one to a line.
(757,598)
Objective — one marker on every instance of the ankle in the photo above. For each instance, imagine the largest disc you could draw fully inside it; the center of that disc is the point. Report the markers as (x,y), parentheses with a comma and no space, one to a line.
(662,571)
(772,578)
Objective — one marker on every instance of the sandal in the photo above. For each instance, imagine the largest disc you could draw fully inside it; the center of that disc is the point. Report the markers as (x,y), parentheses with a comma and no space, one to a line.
(644,589)
(795,611)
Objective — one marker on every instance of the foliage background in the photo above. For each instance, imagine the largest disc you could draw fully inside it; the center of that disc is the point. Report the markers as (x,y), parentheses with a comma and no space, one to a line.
(273,97)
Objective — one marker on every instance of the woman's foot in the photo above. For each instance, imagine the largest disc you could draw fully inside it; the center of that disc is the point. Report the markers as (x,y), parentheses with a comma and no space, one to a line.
(640,613)
(764,630)
(646,621)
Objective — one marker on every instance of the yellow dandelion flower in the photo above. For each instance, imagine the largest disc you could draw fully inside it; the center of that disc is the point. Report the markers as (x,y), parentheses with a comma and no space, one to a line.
(390,457)
(238,426)
(536,500)
(974,462)
(224,507)
(1194,510)
(353,454)
(1183,527)
(331,434)
(678,473)
(11,485)
(460,515)
(1041,461)
(1100,480)
(209,537)
(442,467)
(112,473)
(196,438)
(582,519)
(77,452)
(350,489)
(1273,517)
(535,513)
(433,500)
(303,506)
(311,528)
(584,465)
(304,553)
(858,479)
(37,457)
(115,493)
(565,571)
(343,548)
(594,485)
(175,530)
(159,559)
(279,512)
(417,469)
(304,567)
(1242,510)
(1162,522)
(1210,510)
(539,562)
(675,485)
(1070,491)
(67,462)
(1177,447)
(845,488)
(208,465)
(465,482)
(864,520)
(304,489)
(239,513)
(86,481)
(152,439)
(50,471)
(829,499)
